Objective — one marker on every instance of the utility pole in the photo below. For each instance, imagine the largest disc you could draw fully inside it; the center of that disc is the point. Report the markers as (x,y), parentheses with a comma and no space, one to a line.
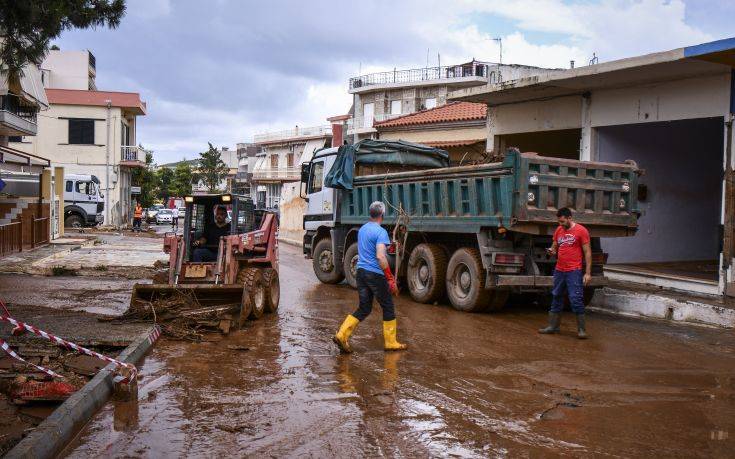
(107,166)
(499,41)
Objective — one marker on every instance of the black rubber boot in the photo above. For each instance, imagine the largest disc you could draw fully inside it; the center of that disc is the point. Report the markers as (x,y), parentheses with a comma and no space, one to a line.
(554,322)
(581,332)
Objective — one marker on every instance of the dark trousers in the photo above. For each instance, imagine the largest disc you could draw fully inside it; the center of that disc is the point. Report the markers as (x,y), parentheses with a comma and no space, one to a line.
(174,223)
(571,284)
(372,285)
(136,223)
(203,254)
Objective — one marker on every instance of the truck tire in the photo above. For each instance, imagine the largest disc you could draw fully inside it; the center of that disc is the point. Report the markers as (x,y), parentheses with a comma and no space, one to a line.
(253,286)
(465,281)
(272,290)
(326,270)
(74,221)
(349,265)
(426,273)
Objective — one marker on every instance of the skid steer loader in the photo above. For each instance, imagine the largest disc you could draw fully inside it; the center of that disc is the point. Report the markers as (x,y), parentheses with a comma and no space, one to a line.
(244,278)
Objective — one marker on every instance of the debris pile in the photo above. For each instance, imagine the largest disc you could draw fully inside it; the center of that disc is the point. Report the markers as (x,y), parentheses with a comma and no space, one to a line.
(180,315)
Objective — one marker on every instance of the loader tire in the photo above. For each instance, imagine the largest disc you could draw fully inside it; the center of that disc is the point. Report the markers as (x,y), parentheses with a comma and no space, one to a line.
(272,290)
(350,265)
(254,287)
(466,281)
(325,268)
(426,274)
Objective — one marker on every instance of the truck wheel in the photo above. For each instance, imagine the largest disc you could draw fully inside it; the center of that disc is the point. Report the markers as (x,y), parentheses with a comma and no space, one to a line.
(349,265)
(325,269)
(465,281)
(426,274)
(74,221)
(272,290)
(254,287)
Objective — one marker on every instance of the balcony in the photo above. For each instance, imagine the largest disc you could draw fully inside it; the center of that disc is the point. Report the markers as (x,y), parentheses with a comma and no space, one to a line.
(132,156)
(358,124)
(17,117)
(472,71)
(295,133)
(277,174)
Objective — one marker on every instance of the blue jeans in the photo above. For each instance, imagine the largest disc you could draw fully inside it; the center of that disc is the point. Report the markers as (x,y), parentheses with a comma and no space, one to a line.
(203,254)
(570,283)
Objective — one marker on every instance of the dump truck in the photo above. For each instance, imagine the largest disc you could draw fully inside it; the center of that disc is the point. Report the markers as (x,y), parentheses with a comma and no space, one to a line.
(242,283)
(472,234)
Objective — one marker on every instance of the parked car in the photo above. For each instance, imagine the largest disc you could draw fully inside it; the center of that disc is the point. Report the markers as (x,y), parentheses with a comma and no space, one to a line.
(150,214)
(164,216)
(182,212)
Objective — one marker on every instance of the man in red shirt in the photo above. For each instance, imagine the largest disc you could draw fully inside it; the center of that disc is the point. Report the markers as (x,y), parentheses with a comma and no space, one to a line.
(571,240)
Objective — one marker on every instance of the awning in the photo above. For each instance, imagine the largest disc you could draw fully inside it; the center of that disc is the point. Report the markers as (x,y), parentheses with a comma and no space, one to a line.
(31,86)
(310,147)
(11,155)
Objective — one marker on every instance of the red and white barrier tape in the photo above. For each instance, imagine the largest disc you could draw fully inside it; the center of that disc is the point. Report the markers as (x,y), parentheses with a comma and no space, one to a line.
(12,353)
(82,350)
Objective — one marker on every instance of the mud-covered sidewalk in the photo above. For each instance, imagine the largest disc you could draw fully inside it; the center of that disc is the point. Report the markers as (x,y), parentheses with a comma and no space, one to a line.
(471,385)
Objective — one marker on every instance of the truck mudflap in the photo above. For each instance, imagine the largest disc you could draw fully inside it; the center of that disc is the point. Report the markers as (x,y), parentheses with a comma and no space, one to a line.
(504,280)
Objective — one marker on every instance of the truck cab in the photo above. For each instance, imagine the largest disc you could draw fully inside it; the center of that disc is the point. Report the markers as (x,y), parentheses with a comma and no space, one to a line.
(83,201)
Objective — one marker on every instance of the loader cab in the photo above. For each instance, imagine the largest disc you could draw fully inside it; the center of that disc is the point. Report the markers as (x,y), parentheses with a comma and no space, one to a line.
(199,214)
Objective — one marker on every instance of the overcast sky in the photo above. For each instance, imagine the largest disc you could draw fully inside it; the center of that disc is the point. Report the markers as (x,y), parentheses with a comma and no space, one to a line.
(222,71)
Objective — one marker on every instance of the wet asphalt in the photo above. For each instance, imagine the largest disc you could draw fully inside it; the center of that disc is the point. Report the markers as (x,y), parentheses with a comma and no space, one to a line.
(470,385)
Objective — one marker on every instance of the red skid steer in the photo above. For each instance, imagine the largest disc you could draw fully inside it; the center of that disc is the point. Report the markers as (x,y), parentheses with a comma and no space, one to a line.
(244,277)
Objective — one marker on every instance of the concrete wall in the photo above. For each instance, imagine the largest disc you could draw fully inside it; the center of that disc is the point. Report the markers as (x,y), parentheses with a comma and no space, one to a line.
(434,135)
(292,209)
(548,115)
(68,69)
(52,142)
(683,164)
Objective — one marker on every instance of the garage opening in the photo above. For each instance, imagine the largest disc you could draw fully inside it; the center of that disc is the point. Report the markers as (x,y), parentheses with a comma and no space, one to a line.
(563,143)
(679,236)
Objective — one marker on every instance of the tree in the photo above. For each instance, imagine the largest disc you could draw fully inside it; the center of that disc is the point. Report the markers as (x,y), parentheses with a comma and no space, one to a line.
(27,26)
(147,180)
(212,170)
(181,183)
(165,178)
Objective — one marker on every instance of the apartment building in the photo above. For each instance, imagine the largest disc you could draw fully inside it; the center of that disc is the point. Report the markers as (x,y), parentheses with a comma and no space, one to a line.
(381,96)
(279,159)
(88,131)
(246,156)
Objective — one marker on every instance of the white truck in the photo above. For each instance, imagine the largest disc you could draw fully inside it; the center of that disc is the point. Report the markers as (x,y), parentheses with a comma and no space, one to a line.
(84,203)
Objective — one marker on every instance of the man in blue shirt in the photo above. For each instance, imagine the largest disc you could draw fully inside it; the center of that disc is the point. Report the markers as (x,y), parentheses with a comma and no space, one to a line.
(374,280)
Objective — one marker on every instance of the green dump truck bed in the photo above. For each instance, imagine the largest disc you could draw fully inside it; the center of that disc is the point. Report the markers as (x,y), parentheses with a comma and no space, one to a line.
(522,193)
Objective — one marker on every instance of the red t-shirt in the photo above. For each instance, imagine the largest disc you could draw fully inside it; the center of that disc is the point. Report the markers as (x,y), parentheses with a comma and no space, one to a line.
(570,241)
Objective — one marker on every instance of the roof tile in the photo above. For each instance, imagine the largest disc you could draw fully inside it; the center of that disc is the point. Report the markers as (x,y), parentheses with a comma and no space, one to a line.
(453,111)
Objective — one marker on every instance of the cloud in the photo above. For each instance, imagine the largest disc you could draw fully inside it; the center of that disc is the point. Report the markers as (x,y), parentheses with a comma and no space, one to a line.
(223,71)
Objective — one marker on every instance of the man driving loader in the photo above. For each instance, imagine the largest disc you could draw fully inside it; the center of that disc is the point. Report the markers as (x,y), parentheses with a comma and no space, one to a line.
(207,241)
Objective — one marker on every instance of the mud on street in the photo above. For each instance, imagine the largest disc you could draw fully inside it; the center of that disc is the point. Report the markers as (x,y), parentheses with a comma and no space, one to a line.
(470,385)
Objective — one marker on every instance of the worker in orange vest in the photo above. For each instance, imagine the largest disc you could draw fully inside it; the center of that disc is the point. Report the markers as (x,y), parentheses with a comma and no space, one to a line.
(137,217)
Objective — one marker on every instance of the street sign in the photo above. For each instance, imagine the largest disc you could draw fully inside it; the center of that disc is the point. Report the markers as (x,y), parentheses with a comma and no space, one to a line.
(134,190)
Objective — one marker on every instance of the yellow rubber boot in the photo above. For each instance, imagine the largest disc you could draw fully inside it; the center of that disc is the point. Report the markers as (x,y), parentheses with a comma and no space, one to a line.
(342,338)
(390,328)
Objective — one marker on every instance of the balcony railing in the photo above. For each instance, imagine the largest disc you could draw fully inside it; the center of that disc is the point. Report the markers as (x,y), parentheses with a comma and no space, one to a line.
(473,69)
(131,153)
(359,123)
(15,105)
(277,173)
(312,131)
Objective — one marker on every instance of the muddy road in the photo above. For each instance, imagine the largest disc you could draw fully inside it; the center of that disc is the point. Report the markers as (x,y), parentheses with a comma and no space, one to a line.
(470,385)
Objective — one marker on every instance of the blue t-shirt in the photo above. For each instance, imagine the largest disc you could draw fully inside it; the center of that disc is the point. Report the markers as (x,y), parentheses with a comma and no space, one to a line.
(370,235)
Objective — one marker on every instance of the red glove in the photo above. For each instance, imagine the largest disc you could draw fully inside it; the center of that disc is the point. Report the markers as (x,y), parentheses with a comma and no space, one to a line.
(392,285)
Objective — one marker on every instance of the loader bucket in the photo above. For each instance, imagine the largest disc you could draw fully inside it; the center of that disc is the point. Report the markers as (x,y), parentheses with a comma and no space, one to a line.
(191,297)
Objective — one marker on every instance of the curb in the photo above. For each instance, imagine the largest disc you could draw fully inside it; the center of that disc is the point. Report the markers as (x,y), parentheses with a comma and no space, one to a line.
(51,436)
(651,305)
(291,241)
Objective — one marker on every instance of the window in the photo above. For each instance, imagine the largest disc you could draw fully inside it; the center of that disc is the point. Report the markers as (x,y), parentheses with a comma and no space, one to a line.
(289,159)
(15,138)
(85,188)
(430,103)
(69,186)
(395,107)
(274,161)
(81,132)
(368,114)
(317,177)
